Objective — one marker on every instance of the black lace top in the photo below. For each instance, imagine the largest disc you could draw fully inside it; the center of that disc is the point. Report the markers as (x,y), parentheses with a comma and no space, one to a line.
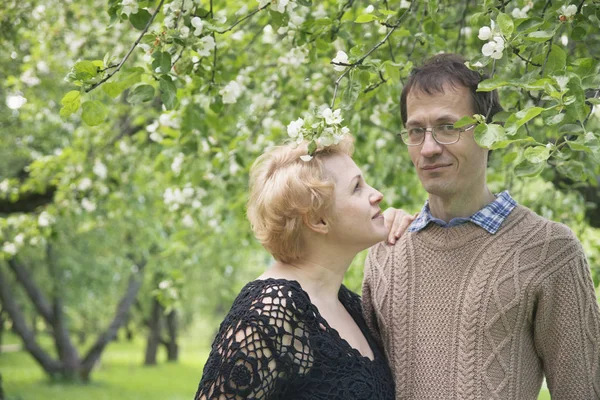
(274,344)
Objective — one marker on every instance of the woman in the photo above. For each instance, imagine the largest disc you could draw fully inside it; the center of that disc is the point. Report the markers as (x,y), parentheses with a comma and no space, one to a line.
(296,332)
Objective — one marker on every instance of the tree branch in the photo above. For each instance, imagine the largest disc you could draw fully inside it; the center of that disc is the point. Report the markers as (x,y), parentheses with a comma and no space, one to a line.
(94,353)
(239,21)
(50,366)
(107,77)
(363,58)
(42,305)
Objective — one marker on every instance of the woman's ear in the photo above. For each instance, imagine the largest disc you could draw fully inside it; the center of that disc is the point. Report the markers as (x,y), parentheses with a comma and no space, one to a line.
(316,223)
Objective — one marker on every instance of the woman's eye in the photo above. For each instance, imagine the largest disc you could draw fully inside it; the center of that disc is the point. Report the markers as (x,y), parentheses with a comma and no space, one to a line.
(357,187)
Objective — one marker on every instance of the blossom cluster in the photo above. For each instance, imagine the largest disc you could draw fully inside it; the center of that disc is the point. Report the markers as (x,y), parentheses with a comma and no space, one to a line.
(320,130)
(495,46)
(278,5)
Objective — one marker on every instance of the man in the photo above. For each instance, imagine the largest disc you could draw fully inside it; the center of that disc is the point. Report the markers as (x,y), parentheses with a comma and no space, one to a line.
(481,297)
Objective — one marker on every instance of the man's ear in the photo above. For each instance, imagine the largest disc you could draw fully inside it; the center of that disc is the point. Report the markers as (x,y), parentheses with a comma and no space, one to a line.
(316,223)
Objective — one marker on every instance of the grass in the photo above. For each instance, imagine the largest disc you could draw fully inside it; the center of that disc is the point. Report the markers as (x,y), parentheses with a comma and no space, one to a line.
(120,375)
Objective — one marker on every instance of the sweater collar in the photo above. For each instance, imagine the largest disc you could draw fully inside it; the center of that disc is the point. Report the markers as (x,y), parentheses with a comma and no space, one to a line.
(489,217)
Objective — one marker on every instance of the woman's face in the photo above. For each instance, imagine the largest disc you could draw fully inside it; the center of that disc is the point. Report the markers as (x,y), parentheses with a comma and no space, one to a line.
(356,220)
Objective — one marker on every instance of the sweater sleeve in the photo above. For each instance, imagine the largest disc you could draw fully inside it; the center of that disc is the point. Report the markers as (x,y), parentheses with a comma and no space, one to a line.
(258,351)
(567,329)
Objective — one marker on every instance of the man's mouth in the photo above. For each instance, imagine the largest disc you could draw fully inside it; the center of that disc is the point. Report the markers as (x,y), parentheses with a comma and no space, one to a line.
(432,167)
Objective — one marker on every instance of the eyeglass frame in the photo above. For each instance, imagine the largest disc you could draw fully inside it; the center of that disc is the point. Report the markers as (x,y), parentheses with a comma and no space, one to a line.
(432,130)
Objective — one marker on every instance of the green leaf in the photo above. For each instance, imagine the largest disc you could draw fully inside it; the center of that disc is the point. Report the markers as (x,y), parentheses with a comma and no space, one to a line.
(491,84)
(592,141)
(515,121)
(392,71)
(305,3)
(506,24)
(554,119)
(162,60)
(94,112)
(528,169)
(168,92)
(540,36)
(433,10)
(71,103)
(537,154)
(487,135)
(140,20)
(129,78)
(464,121)
(364,18)
(557,60)
(141,94)
(351,93)
(85,70)
(505,143)
(572,169)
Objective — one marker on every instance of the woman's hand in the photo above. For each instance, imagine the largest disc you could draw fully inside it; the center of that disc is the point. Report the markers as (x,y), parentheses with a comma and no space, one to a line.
(397,221)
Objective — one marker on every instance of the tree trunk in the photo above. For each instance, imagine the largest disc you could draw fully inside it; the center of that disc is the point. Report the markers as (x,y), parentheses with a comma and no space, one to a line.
(173,330)
(2,321)
(153,333)
(93,355)
(48,364)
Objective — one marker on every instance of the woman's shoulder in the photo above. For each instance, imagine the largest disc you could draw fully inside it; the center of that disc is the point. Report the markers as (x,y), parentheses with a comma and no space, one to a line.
(270,296)
(350,299)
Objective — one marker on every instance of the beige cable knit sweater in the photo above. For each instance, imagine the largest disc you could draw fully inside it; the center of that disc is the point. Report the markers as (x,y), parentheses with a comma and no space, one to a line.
(464,314)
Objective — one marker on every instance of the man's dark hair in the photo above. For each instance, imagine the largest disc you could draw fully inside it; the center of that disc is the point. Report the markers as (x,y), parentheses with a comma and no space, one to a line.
(450,69)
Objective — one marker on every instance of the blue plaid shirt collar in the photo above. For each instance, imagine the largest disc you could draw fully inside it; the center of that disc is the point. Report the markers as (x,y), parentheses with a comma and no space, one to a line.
(489,217)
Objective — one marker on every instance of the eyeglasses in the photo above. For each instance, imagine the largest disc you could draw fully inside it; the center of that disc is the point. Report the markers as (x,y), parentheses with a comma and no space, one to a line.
(443,134)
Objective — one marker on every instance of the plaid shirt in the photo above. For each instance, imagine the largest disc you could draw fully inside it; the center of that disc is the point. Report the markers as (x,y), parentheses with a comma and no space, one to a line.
(489,217)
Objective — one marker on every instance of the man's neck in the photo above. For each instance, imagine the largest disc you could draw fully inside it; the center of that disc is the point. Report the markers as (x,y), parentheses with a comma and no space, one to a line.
(460,205)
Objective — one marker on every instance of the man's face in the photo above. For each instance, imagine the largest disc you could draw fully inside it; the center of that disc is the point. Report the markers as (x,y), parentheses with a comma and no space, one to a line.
(450,169)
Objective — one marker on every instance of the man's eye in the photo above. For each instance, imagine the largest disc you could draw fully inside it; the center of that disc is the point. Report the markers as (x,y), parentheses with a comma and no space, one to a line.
(416,131)
(446,128)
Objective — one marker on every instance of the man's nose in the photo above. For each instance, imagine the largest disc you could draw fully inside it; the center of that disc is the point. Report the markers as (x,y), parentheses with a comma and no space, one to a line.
(430,147)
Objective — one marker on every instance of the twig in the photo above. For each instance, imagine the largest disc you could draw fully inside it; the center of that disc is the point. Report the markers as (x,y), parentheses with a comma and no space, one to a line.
(539,98)
(376,85)
(339,17)
(214,68)
(107,77)
(516,52)
(239,21)
(592,106)
(363,58)
(548,2)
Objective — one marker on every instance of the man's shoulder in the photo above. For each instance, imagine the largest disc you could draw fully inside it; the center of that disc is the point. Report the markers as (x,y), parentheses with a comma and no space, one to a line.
(382,256)
(549,229)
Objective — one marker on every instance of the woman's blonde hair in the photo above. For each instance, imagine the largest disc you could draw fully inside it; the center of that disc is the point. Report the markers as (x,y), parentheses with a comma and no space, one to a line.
(284,191)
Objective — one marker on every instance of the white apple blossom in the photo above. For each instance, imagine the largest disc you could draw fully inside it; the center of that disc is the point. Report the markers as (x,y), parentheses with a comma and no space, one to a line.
(332,117)
(45,219)
(100,169)
(156,137)
(295,56)
(306,157)
(4,186)
(9,248)
(20,239)
(568,11)
(268,36)
(185,32)
(129,7)
(369,9)
(404,4)
(88,205)
(177,163)
(231,92)
(520,12)
(207,43)
(294,128)
(164,284)
(84,184)
(485,33)
(340,58)
(278,5)
(198,24)
(494,48)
